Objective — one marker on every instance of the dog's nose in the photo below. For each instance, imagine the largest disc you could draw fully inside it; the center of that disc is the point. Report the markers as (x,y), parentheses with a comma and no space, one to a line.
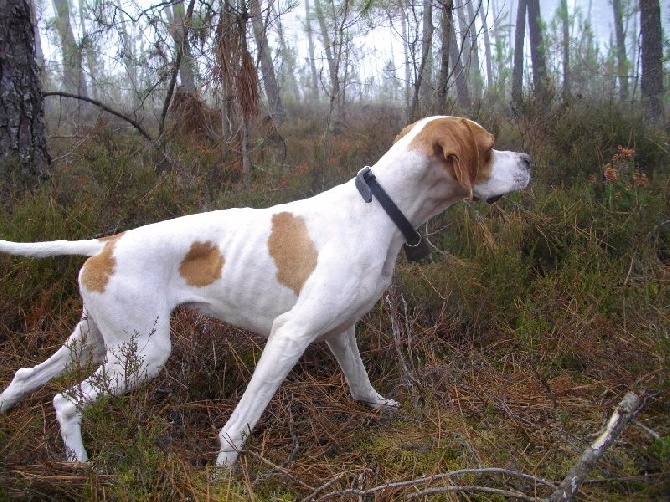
(526,160)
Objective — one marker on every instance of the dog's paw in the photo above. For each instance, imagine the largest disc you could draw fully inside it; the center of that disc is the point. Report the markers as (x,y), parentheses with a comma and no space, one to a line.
(6,402)
(386,404)
(220,473)
(226,459)
(379,402)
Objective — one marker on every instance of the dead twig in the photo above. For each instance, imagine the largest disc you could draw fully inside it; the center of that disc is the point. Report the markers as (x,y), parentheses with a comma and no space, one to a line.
(473,489)
(104,107)
(624,412)
(439,489)
(143,132)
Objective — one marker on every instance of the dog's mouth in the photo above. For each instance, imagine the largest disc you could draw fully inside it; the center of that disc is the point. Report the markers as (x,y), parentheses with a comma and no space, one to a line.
(490,200)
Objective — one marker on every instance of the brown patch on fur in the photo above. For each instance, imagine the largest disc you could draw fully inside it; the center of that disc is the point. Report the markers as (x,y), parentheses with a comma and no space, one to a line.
(292,250)
(464,145)
(98,269)
(202,264)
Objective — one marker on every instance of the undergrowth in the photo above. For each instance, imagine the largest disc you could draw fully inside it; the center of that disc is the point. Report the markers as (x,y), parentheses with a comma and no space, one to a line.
(511,347)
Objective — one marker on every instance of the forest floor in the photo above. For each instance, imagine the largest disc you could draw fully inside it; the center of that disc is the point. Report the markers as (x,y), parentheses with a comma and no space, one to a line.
(508,352)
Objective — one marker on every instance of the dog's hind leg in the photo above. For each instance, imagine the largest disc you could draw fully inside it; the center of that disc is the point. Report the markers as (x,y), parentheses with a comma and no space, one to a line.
(344,348)
(84,346)
(127,365)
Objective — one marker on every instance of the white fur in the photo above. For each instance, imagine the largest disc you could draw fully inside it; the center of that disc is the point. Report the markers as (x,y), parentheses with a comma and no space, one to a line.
(356,243)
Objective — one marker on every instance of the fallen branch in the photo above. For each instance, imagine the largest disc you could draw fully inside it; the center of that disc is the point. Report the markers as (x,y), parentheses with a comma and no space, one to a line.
(437,477)
(624,412)
(473,489)
(116,113)
(104,107)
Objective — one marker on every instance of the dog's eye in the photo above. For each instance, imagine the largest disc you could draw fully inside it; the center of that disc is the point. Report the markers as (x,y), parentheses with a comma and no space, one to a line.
(487,156)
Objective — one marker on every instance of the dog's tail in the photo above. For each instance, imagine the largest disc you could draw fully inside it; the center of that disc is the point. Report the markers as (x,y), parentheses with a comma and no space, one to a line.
(53,248)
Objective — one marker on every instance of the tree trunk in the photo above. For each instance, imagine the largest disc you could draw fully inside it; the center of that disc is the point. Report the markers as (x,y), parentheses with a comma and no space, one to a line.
(179,53)
(519,43)
(227,89)
(426,43)
(460,76)
(88,49)
(622,60)
(473,66)
(334,50)
(288,82)
(652,58)
(446,27)
(267,67)
(427,28)
(406,54)
(537,50)
(503,53)
(128,59)
(487,45)
(311,53)
(180,32)
(246,84)
(635,55)
(74,80)
(22,133)
(565,29)
(39,54)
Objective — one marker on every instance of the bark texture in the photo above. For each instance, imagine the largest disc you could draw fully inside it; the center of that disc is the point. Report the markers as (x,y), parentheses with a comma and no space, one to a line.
(22,132)
(652,58)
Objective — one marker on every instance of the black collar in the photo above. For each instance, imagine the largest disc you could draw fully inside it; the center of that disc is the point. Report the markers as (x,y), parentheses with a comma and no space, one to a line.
(367,184)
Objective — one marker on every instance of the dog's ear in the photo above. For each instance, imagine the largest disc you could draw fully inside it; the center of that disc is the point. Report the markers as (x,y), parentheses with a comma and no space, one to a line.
(455,141)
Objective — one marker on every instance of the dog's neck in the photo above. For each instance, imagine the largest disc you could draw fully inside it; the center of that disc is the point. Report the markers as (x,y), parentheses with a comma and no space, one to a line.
(420,187)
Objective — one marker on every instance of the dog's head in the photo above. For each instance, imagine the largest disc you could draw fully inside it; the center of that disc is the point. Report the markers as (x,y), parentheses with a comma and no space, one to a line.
(464,149)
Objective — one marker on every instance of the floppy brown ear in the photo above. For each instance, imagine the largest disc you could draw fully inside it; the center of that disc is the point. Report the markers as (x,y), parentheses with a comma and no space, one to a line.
(454,140)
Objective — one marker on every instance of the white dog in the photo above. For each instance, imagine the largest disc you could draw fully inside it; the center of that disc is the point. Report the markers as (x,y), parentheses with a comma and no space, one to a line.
(297,273)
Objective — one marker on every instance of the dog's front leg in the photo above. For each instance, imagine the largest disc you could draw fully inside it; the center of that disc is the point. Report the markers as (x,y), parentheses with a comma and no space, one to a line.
(343,346)
(287,342)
